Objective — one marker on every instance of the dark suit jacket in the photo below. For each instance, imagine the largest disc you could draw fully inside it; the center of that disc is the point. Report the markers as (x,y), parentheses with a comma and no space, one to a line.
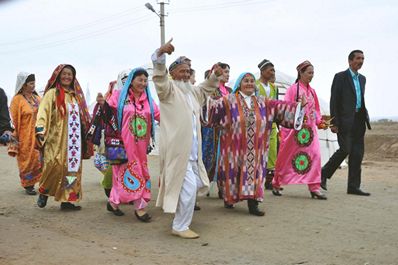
(343,101)
(5,124)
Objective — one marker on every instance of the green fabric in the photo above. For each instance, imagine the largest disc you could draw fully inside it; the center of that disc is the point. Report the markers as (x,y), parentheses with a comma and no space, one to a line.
(107,180)
(273,140)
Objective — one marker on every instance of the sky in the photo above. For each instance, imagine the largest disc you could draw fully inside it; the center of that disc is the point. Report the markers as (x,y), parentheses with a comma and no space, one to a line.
(101,38)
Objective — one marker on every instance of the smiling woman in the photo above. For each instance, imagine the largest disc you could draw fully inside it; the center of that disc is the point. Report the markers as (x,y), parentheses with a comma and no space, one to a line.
(60,131)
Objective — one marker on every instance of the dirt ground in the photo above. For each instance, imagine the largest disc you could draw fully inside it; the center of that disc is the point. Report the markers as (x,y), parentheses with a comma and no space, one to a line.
(345,229)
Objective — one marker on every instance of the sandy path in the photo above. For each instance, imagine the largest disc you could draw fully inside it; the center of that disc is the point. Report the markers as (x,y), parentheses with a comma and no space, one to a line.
(345,229)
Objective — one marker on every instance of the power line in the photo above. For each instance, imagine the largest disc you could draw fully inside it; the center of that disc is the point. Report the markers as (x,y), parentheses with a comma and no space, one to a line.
(218,6)
(81,36)
(75,28)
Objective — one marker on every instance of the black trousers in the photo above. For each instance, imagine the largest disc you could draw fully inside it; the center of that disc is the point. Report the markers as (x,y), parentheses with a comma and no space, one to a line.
(352,145)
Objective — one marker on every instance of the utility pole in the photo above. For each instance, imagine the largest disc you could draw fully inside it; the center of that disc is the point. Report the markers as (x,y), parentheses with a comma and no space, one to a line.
(161,15)
(162,25)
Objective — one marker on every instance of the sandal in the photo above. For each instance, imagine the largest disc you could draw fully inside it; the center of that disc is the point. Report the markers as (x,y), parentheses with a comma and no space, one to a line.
(146,218)
(116,211)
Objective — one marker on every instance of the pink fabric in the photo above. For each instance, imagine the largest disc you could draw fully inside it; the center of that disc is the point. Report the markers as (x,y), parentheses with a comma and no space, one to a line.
(136,188)
(285,172)
(223,90)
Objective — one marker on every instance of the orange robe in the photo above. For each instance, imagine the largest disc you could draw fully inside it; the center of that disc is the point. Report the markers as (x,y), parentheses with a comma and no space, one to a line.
(23,116)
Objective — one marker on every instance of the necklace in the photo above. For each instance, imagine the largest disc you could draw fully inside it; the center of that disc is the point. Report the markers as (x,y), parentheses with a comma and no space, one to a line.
(33,102)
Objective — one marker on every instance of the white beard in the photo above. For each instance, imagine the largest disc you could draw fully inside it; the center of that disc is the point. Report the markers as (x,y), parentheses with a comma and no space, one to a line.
(186,87)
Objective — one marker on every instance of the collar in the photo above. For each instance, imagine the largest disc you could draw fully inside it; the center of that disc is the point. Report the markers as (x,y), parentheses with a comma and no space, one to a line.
(246,96)
(353,74)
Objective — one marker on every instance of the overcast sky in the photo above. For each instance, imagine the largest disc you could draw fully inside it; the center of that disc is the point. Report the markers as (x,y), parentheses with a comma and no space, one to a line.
(101,38)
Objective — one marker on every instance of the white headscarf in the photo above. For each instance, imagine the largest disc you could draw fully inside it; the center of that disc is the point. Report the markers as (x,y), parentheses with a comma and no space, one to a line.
(122,75)
(21,79)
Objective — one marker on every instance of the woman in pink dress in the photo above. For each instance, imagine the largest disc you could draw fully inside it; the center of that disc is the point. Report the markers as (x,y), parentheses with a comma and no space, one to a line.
(299,157)
(136,112)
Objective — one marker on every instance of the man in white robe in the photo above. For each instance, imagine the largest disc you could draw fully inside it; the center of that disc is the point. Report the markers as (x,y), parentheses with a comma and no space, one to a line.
(181,166)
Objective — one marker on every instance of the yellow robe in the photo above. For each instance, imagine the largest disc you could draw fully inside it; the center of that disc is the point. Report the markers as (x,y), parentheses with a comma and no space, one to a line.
(23,116)
(56,180)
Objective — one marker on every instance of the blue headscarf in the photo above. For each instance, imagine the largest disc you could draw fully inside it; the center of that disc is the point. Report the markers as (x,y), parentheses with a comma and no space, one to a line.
(239,80)
(123,96)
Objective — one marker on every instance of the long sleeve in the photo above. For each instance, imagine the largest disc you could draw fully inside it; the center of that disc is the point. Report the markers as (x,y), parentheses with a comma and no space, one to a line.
(15,111)
(160,79)
(217,113)
(44,114)
(206,88)
(334,101)
(5,124)
(287,114)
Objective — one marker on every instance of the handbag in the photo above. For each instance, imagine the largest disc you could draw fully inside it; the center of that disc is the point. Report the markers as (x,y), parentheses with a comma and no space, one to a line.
(101,163)
(13,147)
(114,146)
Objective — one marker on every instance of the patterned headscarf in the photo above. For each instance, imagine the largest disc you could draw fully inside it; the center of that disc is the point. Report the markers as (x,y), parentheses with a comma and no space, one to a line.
(239,81)
(123,97)
(179,61)
(303,65)
(60,94)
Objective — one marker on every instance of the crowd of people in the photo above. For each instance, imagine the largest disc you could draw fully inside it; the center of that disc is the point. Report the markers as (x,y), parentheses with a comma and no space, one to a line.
(242,140)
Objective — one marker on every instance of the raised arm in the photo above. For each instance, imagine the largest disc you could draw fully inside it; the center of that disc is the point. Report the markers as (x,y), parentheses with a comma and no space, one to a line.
(210,85)
(160,74)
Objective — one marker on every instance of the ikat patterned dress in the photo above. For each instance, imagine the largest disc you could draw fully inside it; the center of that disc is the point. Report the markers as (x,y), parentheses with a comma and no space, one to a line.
(245,132)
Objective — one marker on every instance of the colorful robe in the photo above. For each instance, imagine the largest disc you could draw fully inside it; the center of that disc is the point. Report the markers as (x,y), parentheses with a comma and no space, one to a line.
(273,139)
(245,140)
(299,158)
(210,140)
(62,150)
(24,116)
(131,180)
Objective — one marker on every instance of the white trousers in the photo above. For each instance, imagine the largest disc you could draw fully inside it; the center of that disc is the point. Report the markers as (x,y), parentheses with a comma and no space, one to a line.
(186,202)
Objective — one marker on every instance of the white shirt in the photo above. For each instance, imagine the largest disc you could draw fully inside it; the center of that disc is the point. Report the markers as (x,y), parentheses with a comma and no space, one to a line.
(248,99)
(267,89)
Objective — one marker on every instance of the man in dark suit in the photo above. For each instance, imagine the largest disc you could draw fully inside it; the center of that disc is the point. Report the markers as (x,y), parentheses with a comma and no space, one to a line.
(5,125)
(350,117)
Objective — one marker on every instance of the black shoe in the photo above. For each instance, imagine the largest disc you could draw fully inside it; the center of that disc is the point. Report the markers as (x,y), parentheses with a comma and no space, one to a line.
(197,207)
(253,208)
(268,185)
(228,206)
(146,218)
(276,192)
(116,211)
(220,195)
(42,201)
(324,183)
(66,206)
(318,195)
(30,190)
(357,192)
(107,192)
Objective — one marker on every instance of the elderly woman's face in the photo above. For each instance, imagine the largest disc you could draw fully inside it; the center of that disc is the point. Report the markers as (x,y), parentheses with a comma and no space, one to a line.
(247,85)
(139,83)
